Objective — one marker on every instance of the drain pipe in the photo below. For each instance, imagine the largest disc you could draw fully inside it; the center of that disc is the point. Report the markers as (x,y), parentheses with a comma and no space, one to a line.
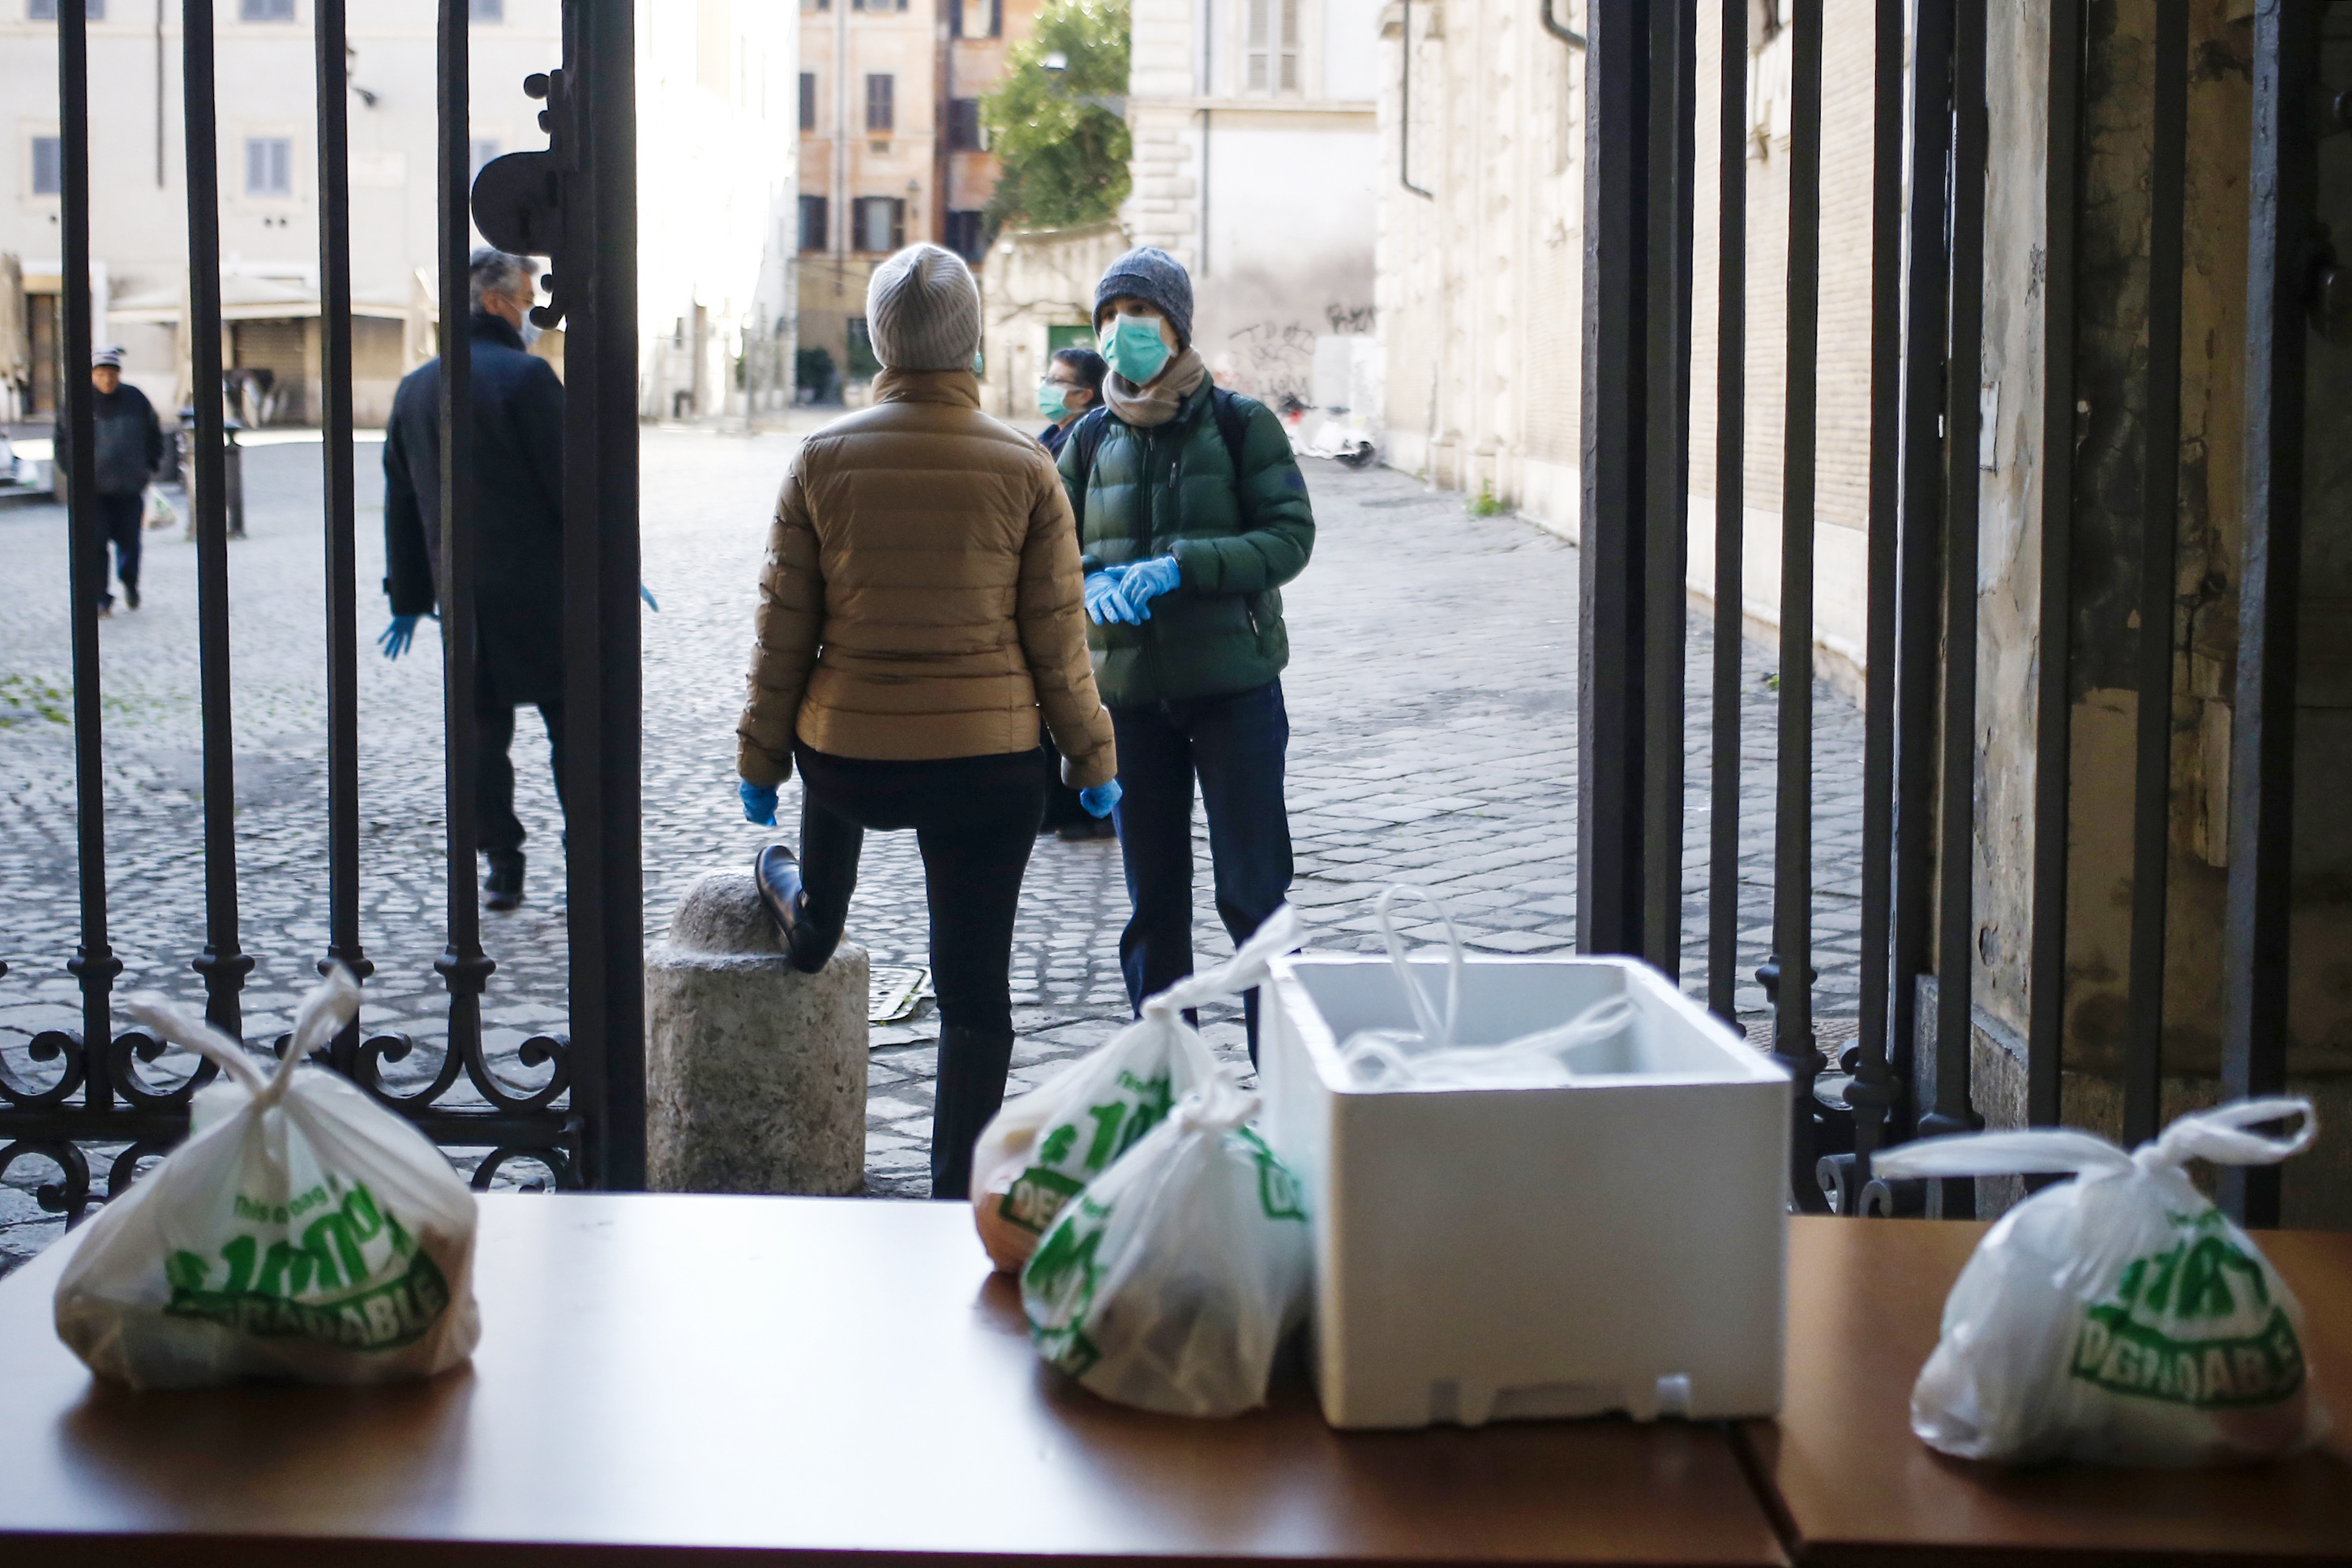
(1404,116)
(1569,35)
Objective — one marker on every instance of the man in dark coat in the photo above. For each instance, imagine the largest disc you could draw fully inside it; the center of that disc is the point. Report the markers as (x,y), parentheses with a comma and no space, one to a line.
(126,447)
(518,422)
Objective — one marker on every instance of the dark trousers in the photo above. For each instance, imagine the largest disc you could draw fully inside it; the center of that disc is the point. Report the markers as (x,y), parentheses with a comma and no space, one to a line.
(1235,746)
(975,821)
(120,520)
(496,829)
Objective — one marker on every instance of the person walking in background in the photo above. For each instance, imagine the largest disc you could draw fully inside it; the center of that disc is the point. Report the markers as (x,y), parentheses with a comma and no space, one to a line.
(920,604)
(126,448)
(1192,514)
(518,425)
(1072,387)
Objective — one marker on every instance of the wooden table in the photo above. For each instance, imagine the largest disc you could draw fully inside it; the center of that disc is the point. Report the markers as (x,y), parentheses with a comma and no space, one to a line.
(1852,1485)
(667,1377)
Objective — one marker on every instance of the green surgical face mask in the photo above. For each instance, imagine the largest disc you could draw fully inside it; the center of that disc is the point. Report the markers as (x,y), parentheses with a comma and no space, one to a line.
(1134,348)
(1051,401)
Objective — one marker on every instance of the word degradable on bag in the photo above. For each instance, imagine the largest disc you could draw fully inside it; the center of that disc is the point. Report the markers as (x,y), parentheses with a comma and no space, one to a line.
(302,1233)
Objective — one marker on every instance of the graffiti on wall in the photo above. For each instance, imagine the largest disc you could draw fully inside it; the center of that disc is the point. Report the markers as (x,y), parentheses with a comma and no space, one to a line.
(1273,361)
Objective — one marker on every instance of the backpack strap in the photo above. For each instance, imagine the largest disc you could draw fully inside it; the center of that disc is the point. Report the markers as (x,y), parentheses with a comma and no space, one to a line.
(1233,424)
(1087,435)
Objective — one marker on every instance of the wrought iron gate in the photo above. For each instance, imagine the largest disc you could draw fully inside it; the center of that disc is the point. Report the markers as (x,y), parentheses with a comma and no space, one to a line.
(1926,312)
(574,203)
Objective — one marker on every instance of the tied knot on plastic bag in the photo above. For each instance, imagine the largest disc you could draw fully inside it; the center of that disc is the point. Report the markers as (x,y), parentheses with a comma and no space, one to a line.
(302,1232)
(1427,1056)
(1041,1150)
(2119,1317)
(329,1006)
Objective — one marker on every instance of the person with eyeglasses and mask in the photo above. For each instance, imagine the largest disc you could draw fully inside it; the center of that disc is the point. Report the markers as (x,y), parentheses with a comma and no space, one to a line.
(1192,516)
(1072,385)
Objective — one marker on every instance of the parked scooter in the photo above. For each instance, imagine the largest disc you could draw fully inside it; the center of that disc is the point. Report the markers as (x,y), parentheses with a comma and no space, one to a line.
(1340,433)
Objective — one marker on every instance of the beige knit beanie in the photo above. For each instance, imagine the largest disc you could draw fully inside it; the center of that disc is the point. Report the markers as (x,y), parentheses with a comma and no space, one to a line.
(923,311)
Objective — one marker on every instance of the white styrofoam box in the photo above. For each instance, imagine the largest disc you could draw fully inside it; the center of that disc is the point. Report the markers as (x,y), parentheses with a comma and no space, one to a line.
(1619,1243)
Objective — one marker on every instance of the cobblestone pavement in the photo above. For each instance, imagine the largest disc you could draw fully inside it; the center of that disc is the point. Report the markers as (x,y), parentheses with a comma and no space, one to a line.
(1433,700)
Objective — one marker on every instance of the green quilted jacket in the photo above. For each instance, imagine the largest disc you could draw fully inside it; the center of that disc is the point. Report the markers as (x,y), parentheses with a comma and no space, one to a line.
(1170,490)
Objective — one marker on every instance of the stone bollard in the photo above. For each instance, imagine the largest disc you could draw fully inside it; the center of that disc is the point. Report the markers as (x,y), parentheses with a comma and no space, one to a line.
(755,1073)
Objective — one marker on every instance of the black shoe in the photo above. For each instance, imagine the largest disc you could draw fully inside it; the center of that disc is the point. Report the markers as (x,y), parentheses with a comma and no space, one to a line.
(1092,827)
(130,595)
(503,889)
(778,875)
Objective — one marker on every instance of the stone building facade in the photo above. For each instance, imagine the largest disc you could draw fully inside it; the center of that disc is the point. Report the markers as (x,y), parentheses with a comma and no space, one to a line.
(891,149)
(1480,290)
(1254,161)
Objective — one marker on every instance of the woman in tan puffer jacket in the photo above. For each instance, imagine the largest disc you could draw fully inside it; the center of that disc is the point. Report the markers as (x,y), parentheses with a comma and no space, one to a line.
(920,607)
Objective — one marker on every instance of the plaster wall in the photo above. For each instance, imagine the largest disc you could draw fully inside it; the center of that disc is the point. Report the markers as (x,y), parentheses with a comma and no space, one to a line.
(1265,194)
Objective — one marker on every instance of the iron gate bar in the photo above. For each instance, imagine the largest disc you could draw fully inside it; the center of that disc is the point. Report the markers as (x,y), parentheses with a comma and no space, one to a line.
(223,964)
(2257,911)
(1665,618)
(1871,1092)
(2054,715)
(463,966)
(339,478)
(1927,295)
(1792,848)
(2158,594)
(94,963)
(1731,497)
(1610,646)
(608,910)
(1963,419)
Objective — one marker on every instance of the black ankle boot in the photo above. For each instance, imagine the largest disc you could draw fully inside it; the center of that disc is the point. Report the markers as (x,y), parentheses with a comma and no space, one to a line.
(778,875)
(502,889)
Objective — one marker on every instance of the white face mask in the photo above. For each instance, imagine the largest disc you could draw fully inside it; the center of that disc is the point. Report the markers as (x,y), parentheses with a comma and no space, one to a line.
(529,330)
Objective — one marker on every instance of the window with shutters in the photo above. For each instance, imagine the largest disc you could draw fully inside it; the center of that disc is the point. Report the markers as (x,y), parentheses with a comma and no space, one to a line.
(1272,49)
(264,10)
(269,165)
(813,224)
(481,149)
(880,114)
(881,223)
(47,11)
(48,165)
(963,126)
(967,237)
(486,10)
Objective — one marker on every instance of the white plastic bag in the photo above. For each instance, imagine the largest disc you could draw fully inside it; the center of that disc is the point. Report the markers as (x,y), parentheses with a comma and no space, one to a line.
(1427,1058)
(1171,1279)
(302,1232)
(2119,1317)
(156,509)
(1040,1149)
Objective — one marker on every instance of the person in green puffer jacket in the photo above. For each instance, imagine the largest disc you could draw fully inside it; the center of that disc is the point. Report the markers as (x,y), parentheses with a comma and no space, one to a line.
(1192,516)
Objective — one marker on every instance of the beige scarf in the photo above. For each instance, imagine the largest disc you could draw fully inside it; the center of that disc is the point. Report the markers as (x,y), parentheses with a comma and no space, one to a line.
(1156,404)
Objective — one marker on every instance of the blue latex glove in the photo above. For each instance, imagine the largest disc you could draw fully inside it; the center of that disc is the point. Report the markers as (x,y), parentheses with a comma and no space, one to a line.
(398,636)
(1100,798)
(1146,581)
(1104,603)
(759,802)
(647,595)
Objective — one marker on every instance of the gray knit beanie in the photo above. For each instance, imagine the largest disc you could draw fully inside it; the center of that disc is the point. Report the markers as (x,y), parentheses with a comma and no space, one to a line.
(923,311)
(1156,277)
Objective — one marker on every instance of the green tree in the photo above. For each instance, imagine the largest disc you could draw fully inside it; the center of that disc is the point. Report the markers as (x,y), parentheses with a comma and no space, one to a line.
(1063,158)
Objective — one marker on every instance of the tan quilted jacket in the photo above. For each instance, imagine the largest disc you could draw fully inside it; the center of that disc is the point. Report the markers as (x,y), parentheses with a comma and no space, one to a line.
(921,597)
